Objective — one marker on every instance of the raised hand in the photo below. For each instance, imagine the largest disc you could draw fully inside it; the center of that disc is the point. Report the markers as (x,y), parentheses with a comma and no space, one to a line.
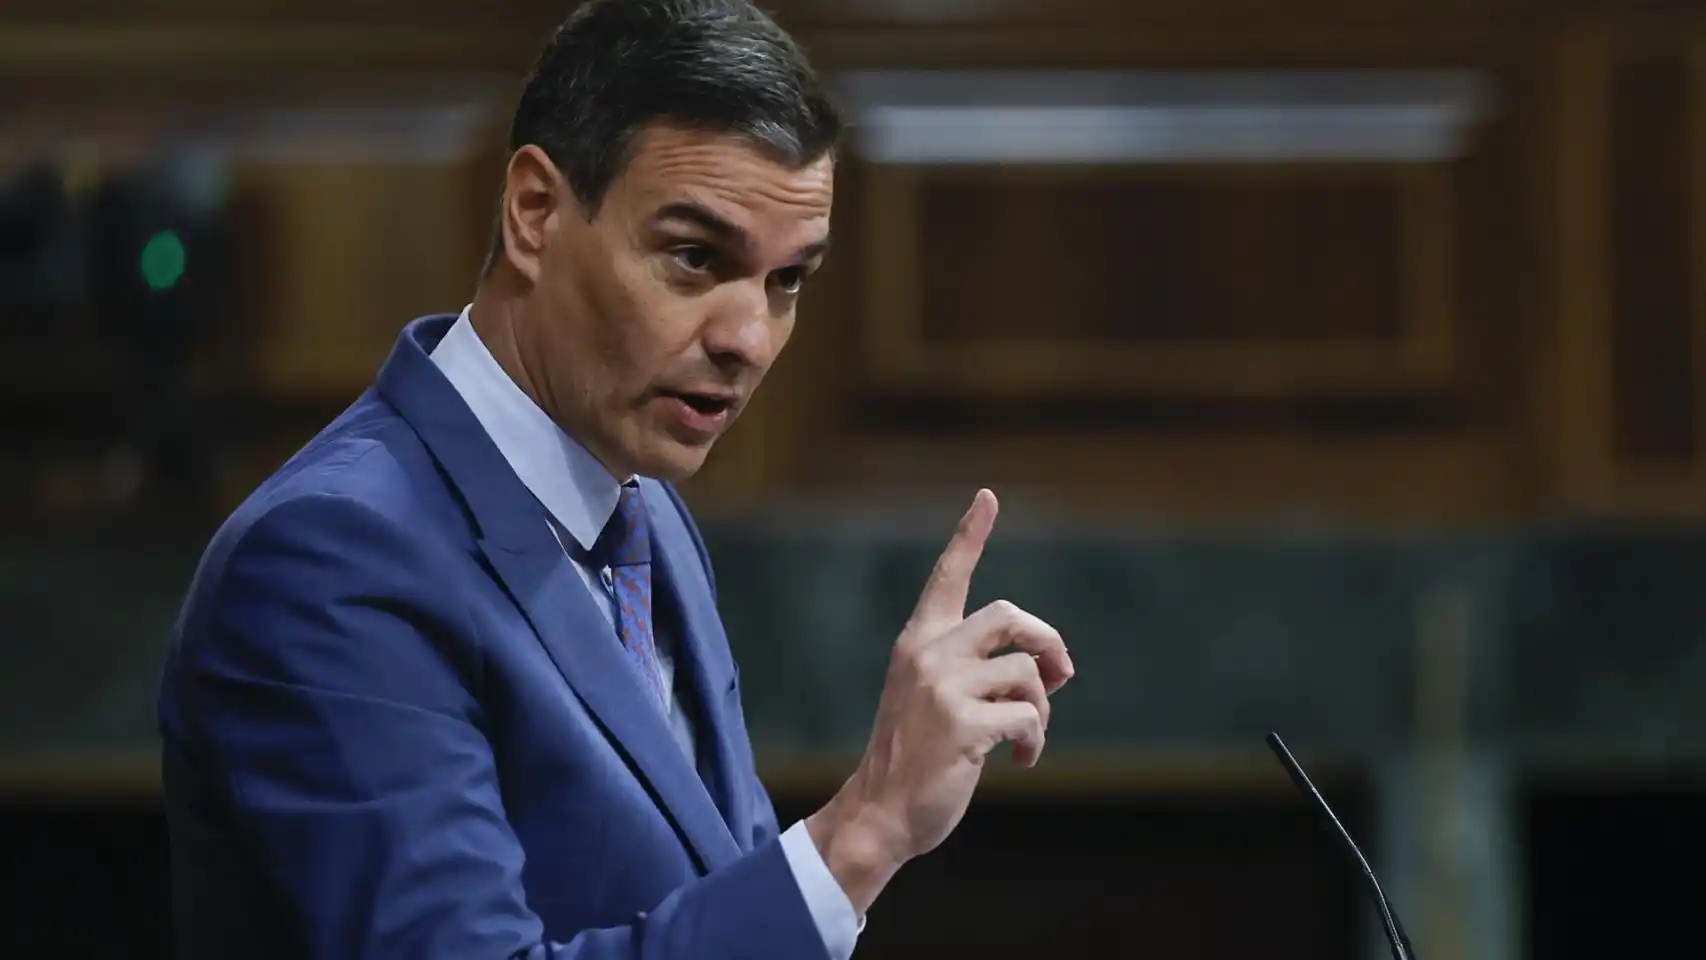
(950,696)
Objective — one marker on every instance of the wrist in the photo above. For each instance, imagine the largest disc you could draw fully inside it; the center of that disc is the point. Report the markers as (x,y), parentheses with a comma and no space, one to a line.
(857,850)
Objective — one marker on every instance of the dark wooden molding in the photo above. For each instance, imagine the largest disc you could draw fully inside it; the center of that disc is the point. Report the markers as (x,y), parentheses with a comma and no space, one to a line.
(901,356)
(1581,378)
(135,774)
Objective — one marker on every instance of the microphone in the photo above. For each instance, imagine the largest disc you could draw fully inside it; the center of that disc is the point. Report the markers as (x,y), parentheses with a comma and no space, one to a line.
(1395,937)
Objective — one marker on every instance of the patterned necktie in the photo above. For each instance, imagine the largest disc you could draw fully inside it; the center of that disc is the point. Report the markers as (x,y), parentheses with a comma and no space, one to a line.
(625,547)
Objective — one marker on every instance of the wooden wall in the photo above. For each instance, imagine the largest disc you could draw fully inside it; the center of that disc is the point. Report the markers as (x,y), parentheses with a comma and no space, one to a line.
(1513,333)
(1627,194)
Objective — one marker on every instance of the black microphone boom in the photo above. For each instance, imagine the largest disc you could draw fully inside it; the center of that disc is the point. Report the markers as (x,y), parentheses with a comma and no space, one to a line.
(1395,937)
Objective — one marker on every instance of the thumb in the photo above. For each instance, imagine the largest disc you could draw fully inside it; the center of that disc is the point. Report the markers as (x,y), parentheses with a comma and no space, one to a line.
(944,596)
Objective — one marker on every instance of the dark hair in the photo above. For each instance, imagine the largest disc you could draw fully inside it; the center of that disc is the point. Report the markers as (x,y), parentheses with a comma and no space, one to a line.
(617,66)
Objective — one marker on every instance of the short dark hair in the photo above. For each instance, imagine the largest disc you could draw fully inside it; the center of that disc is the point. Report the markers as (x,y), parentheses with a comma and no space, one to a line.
(616,66)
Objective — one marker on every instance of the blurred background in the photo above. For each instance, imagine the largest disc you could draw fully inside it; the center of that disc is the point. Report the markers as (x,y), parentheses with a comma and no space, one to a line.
(1341,365)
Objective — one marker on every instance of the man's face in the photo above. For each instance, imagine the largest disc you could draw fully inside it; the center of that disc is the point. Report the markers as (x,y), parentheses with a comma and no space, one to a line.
(650,325)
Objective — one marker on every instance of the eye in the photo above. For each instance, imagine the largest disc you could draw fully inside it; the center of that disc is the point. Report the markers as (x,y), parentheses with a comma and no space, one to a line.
(789,279)
(694,257)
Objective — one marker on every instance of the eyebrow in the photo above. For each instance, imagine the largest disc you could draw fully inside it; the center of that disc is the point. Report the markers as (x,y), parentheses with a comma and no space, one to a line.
(724,229)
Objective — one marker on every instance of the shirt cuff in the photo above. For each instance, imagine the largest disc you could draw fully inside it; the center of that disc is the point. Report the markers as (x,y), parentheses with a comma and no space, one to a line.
(830,909)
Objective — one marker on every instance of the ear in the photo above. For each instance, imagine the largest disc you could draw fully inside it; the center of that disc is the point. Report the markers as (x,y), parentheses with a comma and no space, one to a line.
(535,192)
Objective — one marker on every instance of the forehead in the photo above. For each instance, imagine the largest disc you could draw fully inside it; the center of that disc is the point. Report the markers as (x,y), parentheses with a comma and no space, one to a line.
(728,176)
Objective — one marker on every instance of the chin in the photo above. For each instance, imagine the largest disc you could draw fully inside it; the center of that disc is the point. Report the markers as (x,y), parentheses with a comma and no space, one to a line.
(672,461)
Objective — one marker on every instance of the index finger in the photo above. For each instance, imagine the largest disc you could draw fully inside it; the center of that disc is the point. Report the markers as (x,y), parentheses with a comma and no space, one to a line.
(944,595)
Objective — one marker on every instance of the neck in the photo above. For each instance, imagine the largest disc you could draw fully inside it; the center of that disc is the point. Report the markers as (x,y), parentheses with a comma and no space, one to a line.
(497,314)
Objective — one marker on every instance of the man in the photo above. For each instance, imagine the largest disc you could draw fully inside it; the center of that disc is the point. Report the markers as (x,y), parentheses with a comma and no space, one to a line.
(452,684)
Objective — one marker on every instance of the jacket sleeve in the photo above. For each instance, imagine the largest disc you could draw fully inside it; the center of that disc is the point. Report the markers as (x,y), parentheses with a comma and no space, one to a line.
(330,678)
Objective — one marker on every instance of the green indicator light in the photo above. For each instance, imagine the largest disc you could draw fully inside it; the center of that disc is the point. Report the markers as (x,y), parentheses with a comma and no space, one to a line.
(163,261)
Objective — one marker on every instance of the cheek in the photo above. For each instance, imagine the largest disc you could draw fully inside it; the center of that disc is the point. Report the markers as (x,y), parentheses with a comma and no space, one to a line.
(618,314)
(775,338)
(648,324)
(784,332)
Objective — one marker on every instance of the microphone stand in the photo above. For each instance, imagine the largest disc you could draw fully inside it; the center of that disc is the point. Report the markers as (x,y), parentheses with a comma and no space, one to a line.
(1395,936)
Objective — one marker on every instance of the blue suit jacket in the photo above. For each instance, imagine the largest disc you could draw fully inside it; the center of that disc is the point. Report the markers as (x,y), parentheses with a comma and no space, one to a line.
(396,724)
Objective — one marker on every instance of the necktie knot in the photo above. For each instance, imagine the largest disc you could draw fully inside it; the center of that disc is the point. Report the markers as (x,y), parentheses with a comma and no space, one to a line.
(626,540)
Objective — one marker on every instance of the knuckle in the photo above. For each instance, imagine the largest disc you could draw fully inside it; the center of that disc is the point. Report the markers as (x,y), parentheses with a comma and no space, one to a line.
(963,720)
(1033,717)
(1043,636)
(1038,703)
(916,628)
(928,661)
(936,679)
(905,658)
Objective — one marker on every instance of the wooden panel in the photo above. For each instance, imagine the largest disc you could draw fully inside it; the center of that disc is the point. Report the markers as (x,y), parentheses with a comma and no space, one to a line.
(236,41)
(1216,439)
(1204,281)
(355,252)
(802,13)
(1178,256)
(1652,309)
(1626,381)
(819,14)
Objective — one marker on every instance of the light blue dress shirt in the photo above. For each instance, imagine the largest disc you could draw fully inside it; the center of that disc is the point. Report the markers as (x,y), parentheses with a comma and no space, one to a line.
(581,496)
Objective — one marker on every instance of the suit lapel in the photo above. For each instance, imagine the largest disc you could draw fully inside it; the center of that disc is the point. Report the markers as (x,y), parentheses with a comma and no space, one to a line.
(516,539)
(577,637)
(680,577)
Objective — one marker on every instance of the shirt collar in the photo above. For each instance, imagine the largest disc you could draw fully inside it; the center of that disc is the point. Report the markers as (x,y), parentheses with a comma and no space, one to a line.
(565,477)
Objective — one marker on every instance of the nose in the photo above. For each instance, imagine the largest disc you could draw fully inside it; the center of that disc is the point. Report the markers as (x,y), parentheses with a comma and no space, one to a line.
(742,332)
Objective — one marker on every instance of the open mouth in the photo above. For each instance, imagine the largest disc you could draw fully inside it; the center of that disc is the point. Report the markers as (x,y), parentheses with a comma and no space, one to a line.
(703,404)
